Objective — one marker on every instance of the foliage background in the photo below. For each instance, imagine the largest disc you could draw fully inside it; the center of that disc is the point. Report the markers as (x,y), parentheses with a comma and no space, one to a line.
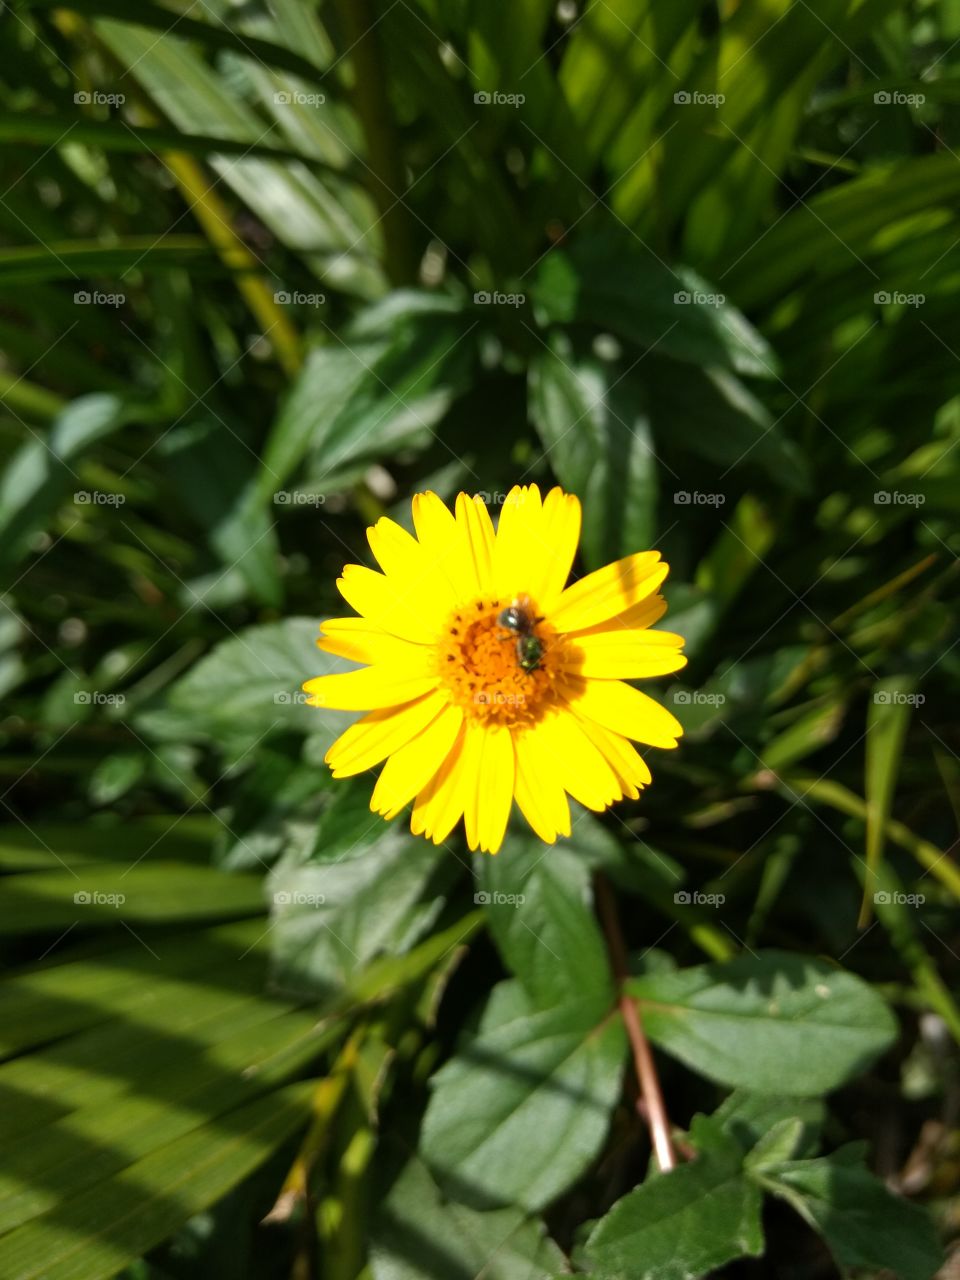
(268,268)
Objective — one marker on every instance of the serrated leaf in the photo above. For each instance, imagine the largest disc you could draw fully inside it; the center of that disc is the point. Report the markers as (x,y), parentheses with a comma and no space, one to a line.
(520,1111)
(537,903)
(683,1224)
(774,1022)
(418,1234)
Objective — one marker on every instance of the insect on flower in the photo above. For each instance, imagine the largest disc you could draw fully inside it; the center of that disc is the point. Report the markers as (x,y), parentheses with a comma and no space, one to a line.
(466,723)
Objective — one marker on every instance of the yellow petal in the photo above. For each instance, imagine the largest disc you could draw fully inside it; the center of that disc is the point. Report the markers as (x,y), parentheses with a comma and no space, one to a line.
(369,689)
(356,640)
(445,542)
(410,769)
(519,543)
(636,618)
(389,603)
(542,800)
(416,571)
(577,764)
(609,591)
(623,654)
(474,519)
(625,710)
(489,786)
(439,806)
(621,755)
(553,548)
(381,733)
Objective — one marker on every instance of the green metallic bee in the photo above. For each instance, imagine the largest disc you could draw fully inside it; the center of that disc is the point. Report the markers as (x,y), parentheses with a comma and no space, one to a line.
(519,621)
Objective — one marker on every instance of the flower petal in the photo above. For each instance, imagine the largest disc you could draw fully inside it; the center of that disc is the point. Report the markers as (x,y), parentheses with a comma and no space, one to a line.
(639,616)
(621,755)
(519,541)
(551,552)
(444,541)
(358,641)
(474,519)
(389,603)
(577,764)
(625,710)
(369,689)
(419,571)
(439,806)
(380,733)
(409,769)
(489,786)
(541,798)
(609,591)
(623,654)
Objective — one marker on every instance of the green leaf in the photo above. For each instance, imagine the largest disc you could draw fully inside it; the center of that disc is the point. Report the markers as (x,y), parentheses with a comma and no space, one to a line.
(609,283)
(74,260)
(537,903)
(97,1233)
(592,418)
(683,1224)
(748,1117)
(418,1234)
(522,1109)
(887,718)
(774,1022)
(864,1224)
(249,687)
(43,471)
(107,895)
(332,916)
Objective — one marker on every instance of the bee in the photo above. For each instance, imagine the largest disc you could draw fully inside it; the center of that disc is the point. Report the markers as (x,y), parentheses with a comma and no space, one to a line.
(518,619)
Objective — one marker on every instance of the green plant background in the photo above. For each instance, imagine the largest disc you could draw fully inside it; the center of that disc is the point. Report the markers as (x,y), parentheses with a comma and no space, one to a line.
(266,270)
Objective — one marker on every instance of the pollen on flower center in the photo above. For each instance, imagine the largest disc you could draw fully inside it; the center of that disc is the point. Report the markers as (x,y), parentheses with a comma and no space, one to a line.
(481,665)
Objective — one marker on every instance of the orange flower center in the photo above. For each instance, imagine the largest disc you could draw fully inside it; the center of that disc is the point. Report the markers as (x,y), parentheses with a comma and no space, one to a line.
(500,674)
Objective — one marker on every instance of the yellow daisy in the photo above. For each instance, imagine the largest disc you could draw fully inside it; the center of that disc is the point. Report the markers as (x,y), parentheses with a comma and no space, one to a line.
(487,679)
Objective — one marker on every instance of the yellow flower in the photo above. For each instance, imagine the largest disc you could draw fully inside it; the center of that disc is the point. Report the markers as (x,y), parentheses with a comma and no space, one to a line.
(473,707)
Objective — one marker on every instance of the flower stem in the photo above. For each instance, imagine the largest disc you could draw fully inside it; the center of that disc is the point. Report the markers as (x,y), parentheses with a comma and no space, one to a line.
(650,1104)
